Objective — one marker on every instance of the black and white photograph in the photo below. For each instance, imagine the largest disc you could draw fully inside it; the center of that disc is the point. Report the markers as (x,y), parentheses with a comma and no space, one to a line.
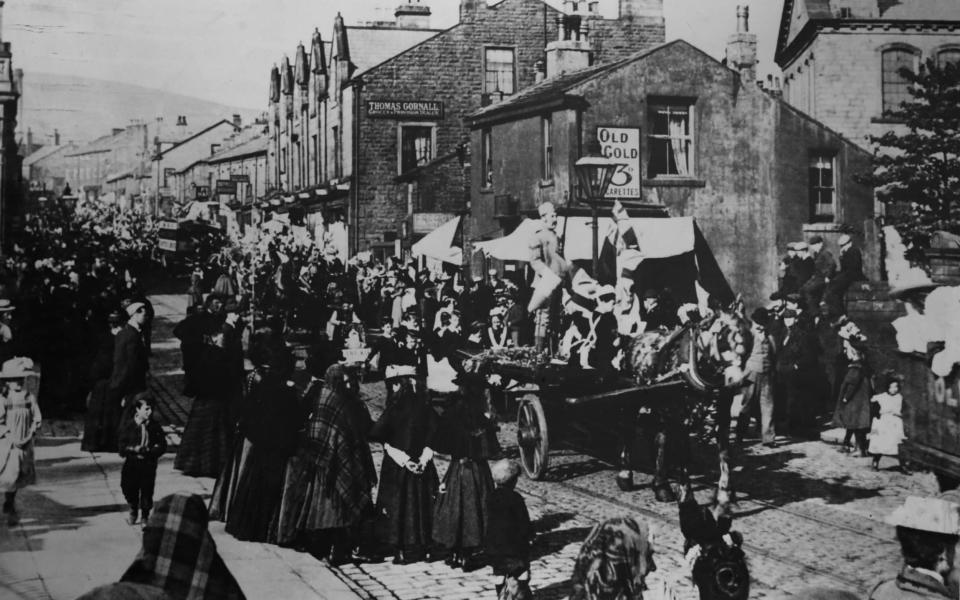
(480,299)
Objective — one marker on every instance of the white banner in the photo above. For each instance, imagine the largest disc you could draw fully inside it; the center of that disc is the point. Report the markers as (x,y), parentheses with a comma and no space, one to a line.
(168,245)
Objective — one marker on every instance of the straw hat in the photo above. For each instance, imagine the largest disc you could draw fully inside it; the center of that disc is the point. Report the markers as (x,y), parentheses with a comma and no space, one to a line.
(927,514)
(17,368)
(6,305)
(134,307)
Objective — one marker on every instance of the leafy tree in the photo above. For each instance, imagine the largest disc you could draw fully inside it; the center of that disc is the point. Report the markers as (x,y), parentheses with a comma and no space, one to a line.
(917,171)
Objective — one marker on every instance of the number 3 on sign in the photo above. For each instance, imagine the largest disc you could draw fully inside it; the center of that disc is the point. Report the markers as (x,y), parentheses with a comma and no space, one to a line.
(622,176)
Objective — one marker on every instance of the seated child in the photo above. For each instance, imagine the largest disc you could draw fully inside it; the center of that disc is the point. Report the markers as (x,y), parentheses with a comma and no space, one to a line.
(141,442)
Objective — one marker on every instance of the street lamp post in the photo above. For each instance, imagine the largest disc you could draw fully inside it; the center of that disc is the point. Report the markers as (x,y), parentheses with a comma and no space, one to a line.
(594,173)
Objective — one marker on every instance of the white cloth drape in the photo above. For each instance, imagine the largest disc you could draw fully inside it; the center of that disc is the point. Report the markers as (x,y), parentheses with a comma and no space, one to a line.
(678,143)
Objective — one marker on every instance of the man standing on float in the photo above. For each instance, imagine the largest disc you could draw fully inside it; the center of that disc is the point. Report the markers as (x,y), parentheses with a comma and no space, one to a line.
(550,267)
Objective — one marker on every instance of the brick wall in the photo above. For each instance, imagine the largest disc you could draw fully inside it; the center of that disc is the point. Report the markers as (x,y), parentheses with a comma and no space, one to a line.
(449,68)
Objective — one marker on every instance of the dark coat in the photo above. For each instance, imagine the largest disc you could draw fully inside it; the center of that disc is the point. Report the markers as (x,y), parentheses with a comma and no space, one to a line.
(129,441)
(507,543)
(130,364)
(796,351)
(851,268)
(853,400)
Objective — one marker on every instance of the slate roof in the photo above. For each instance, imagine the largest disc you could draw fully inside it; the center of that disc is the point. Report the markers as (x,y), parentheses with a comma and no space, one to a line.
(370,46)
(252,146)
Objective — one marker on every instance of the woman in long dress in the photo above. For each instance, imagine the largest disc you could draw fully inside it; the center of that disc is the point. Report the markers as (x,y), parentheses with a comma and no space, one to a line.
(103,411)
(408,477)
(19,421)
(247,493)
(460,515)
(329,481)
(206,440)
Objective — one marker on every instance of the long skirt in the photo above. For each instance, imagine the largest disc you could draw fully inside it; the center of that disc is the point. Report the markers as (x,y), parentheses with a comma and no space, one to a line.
(226,485)
(310,502)
(254,511)
(205,445)
(886,435)
(405,506)
(101,421)
(460,514)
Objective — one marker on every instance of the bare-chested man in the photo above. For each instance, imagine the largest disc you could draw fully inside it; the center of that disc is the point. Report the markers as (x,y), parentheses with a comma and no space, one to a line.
(549,265)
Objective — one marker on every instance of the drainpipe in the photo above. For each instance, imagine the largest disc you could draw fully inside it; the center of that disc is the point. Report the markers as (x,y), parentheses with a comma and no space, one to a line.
(355,174)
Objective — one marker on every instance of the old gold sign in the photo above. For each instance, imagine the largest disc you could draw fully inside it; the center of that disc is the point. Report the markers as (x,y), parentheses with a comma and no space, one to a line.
(405,109)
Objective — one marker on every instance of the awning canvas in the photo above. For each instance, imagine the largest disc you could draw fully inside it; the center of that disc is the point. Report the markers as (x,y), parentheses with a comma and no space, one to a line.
(438,244)
(657,238)
(515,246)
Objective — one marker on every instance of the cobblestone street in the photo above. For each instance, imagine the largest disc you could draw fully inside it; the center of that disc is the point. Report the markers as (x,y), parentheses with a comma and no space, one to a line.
(809,515)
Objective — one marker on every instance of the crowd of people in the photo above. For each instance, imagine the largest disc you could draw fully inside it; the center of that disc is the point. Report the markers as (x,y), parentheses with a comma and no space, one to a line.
(293,461)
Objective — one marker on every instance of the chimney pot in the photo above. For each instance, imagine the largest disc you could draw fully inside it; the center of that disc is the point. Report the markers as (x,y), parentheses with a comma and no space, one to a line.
(236,120)
(743,19)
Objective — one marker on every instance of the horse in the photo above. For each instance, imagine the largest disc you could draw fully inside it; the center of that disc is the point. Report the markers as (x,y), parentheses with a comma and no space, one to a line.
(707,355)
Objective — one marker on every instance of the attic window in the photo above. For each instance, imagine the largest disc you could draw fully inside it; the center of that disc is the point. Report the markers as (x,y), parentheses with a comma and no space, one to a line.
(671,140)
(845,12)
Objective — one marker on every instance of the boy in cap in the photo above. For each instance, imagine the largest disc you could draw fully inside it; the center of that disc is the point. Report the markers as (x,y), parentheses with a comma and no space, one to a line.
(141,443)
(824,270)
(851,270)
(927,529)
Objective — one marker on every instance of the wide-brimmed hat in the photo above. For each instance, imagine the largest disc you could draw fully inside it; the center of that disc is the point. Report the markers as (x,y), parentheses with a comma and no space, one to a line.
(17,368)
(133,307)
(816,240)
(6,305)
(927,514)
(760,316)
(843,240)
(398,371)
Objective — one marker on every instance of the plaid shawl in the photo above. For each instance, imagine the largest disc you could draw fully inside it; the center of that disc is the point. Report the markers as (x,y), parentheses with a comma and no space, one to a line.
(337,436)
(179,555)
(613,561)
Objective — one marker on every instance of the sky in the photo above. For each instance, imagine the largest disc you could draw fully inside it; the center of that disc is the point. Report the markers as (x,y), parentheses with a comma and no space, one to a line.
(222,50)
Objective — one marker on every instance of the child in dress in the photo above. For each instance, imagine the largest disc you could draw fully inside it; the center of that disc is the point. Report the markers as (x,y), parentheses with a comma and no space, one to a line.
(886,432)
(141,442)
(507,543)
(19,421)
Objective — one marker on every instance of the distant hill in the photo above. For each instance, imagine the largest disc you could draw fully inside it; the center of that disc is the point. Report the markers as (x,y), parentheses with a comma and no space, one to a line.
(84,109)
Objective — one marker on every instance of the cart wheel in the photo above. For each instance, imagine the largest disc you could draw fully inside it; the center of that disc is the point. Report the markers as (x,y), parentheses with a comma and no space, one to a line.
(532,437)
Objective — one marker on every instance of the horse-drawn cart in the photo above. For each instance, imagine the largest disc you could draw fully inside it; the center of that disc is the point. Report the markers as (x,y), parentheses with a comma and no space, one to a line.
(556,402)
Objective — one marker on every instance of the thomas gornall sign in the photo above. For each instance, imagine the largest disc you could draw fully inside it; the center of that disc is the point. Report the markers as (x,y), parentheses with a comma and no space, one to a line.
(405,109)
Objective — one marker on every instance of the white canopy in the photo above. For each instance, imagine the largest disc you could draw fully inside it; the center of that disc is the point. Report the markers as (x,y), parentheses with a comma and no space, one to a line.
(515,246)
(438,244)
(657,238)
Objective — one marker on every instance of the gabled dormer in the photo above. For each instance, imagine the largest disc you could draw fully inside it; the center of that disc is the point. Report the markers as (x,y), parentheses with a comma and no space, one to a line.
(318,64)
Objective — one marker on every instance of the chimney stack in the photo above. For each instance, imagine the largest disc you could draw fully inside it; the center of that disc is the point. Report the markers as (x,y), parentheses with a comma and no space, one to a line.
(1,18)
(236,121)
(412,15)
(117,130)
(29,140)
(571,51)
(742,48)
(468,9)
(56,137)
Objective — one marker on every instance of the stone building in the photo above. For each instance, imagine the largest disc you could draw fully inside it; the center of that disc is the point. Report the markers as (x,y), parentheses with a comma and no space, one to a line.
(392,145)
(697,138)
(841,58)
(165,165)
(11,180)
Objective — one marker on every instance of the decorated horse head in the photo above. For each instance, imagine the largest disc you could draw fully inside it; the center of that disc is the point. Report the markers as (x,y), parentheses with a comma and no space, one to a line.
(707,351)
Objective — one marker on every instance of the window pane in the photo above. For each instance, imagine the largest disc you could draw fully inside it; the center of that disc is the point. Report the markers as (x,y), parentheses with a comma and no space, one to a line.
(498,70)
(895,86)
(951,56)
(822,192)
(416,147)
